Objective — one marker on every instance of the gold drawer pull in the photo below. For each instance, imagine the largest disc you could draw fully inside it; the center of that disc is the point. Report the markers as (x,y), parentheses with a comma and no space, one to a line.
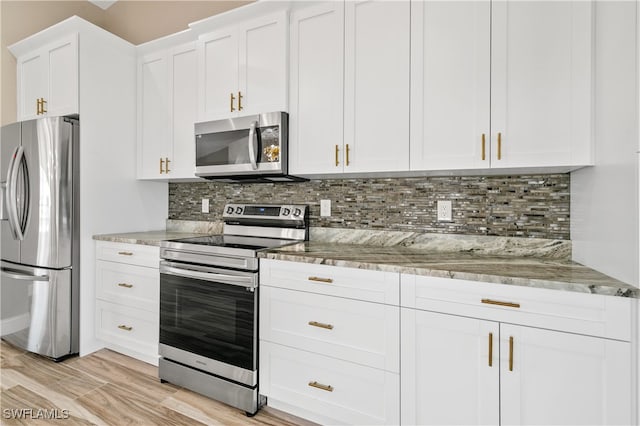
(322,280)
(499,303)
(337,150)
(499,146)
(125,285)
(125,327)
(321,325)
(125,253)
(483,147)
(321,386)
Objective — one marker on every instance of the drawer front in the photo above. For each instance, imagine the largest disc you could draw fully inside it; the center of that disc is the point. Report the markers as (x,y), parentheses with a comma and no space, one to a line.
(135,286)
(361,332)
(590,314)
(352,283)
(128,327)
(133,254)
(336,391)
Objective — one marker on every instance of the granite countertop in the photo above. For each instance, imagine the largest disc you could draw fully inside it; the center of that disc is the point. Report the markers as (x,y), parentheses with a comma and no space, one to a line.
(148,238)
(529,271)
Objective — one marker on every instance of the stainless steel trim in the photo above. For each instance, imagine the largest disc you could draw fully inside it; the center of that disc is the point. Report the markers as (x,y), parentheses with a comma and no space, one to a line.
(253,145)
(267,232)
(244,169)
(237,374)
(238,396)
(215,275)
(16,275)
(239,123)
(208,255)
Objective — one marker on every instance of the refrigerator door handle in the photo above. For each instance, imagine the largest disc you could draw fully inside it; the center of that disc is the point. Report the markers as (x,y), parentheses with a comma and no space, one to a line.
(12,195)
(22,276)
(3,195)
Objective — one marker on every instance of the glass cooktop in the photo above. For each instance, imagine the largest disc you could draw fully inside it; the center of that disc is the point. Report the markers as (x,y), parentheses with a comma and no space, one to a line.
(235,241)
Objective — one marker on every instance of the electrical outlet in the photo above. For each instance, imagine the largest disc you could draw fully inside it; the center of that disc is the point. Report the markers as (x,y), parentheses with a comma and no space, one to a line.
(325,208)
(444,211)
(205,205)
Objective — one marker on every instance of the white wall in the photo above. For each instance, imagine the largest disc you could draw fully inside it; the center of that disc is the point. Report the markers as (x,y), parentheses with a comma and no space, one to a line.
(604,198)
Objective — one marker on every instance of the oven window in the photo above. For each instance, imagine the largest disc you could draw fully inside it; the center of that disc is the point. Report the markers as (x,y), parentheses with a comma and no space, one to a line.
(213,320)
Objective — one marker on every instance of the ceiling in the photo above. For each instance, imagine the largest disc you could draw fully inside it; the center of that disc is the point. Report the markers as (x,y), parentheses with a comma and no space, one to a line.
(103,4)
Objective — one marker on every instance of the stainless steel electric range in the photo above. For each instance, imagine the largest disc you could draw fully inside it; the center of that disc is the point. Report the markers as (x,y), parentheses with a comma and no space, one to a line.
(209,302)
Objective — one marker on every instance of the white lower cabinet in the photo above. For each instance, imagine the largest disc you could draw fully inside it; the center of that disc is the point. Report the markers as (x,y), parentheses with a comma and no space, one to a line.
(327,353)
(464,370)
(128,298)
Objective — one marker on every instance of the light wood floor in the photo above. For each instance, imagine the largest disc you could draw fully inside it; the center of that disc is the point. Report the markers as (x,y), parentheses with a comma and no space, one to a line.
(107,388)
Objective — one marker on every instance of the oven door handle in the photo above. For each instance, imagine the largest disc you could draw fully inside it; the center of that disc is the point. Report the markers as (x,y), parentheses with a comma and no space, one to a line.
(247,282)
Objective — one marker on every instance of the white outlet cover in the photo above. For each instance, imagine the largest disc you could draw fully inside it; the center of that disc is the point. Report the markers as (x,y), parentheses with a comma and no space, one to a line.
(325,208)
(205,205)
(444,211)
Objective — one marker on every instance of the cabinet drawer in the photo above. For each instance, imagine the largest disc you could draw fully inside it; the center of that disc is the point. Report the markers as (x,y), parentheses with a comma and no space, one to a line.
(361,332)
(133,254)
(329,390)
(127,327)
(590,314)
(135,286)
(352,283)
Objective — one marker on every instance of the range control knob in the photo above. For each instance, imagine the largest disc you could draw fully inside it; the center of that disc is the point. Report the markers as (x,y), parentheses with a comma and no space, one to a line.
(297,212)
(286,211)
(238,210)
(229,210)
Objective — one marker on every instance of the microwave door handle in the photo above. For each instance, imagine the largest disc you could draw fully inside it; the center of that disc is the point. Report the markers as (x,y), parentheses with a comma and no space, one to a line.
(253,145)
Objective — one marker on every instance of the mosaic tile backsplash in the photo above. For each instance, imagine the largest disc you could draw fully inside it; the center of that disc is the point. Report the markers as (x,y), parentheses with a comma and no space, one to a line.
(535,206)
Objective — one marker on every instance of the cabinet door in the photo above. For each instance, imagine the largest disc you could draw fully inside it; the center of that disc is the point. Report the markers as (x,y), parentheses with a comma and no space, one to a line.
(262,65)
(31,84)
(376,127)
(62,65)
(450,369)
(541,83)
(153,116)
(450,84)
(183,100)
(317,68)
(562,378)
(218,75)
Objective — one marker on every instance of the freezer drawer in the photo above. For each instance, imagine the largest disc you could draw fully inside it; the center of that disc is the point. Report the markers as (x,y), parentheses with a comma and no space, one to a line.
(36,309)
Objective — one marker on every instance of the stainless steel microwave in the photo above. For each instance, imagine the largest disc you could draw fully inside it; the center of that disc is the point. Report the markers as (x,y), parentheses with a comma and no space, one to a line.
(252,148)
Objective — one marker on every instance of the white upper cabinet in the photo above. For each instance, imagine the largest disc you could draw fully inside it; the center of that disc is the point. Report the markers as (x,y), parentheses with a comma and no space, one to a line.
(450,84)
(48,80)
(541,78)
(317,73)
(350,88)
(167,108)
(243,68)
(491,89)
(376,95)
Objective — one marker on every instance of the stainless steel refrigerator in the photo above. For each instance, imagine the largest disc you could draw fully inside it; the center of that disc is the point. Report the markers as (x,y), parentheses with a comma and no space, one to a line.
(39,279)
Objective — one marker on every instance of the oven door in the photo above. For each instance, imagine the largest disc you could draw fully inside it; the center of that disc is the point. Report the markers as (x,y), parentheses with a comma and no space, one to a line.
(208,319)
(251,145)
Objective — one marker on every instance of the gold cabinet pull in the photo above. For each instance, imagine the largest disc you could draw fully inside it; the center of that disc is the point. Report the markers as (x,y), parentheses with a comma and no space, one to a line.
(233,98)
(38,104)
(337,150)
(347,162)
(315,384)
(239,101)
(490,349)
(483,147)
(510,353)
(125,253)
(125,285)
(322,280)
(161,166)
(499,303)
(321,325)
(125,327)
(499,146)
(42,105)
(166,165)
